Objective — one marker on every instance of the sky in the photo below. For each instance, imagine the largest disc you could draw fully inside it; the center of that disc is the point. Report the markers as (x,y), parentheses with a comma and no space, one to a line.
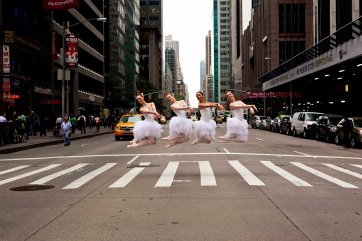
(188,21)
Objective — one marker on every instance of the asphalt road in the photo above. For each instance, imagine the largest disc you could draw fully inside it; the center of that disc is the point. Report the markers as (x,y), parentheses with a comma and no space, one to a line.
(274,187)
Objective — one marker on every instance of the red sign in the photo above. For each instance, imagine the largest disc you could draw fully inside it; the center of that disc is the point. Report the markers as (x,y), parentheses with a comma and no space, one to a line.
(60,4)
(71,51)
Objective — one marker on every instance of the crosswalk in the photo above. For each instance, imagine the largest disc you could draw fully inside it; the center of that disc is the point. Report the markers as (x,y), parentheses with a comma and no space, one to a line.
(84,173)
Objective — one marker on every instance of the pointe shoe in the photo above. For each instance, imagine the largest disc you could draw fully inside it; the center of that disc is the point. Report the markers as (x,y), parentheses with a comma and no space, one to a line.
(195,142)
(169,145)
(132,145)
(166,138)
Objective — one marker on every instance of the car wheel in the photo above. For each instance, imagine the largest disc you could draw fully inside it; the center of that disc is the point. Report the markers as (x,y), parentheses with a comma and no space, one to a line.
(288,132)
(117,138)
(336,140)
(305,134)
(317,135)
(294,132)
(353,142)
(328,137)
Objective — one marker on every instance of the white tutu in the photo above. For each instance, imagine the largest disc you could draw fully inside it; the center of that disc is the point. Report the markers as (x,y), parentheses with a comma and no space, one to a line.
(205,130)
(180,125)
(237,129)
(148,128)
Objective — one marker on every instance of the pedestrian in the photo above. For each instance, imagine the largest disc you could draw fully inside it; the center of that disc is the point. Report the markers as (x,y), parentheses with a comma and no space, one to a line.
(237,126)
(73,121)
(82,123)
(180,128)
(347,131)
(42,125)
(147,131)
(98,122)
(205,127)
(66,128)
(3,129)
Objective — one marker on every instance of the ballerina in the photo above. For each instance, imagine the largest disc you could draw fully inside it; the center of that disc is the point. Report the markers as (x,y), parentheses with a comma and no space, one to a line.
(180,128)
(237,126)
(205,127)
(147,131)
(251,110)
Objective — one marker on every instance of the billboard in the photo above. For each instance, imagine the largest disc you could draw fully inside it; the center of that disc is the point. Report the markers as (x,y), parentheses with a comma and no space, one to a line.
(71,51)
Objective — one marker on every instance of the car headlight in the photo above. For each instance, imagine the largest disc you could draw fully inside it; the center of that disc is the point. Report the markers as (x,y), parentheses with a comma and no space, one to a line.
(118,128)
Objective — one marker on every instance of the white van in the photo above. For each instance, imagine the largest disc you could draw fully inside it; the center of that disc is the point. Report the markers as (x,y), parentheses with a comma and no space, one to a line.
(304,123)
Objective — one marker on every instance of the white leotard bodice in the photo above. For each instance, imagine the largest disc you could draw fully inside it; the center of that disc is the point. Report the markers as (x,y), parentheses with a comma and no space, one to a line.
(205,114)
(238,114)
(180,113)
(149,117)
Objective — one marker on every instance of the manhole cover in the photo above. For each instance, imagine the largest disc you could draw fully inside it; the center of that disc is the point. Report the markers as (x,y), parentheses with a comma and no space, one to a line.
(31,188)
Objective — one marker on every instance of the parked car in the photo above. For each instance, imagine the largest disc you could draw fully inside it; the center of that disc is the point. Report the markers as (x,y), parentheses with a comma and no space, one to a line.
(285,125)
(276,124)
(124,127)
(326,127)
(305,123)
(162,120)
(356,136)
(266,124)
(255,121)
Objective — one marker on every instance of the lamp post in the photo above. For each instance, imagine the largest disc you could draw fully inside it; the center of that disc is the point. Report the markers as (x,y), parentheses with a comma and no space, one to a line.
(64,67)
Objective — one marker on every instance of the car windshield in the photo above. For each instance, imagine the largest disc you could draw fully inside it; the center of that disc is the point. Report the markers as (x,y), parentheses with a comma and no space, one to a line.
(358,122)
(312,116)
(125,119)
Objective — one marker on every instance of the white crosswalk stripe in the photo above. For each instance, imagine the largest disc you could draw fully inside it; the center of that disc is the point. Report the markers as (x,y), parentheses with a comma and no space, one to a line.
(14,169)
(167,177)
(290,177)
(324,176)
(355,174)
(356,165)
(58,174)
(248,176)
(86,178)
(206,173)
(129,176)
(28,174)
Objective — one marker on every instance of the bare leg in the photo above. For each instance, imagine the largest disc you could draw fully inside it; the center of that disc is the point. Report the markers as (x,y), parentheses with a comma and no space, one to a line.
(195,142)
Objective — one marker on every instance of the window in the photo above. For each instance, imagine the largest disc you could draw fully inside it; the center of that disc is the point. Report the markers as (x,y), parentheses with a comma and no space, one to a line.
(288,49)
(291,18)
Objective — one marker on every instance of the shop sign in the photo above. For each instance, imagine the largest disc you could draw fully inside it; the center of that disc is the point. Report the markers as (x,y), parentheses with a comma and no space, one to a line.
(60,4)
(42,90)
(6,59)
(9,36)
(54,45)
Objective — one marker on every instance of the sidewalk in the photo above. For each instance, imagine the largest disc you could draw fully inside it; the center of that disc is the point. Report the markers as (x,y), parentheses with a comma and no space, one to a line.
(49,139)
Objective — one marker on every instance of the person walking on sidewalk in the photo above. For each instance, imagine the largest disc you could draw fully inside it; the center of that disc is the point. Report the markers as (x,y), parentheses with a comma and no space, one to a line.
(66,128)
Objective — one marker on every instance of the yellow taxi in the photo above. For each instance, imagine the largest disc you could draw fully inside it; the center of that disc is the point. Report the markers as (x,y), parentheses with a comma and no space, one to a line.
(124,127)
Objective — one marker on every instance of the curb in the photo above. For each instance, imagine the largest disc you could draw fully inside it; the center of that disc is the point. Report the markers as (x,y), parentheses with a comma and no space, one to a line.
(48,143)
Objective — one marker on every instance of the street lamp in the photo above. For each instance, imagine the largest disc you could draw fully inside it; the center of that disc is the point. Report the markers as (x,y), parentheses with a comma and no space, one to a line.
(65,29)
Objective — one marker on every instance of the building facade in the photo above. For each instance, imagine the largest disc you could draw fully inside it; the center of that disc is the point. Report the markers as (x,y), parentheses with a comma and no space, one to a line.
(36,37)
(222,60)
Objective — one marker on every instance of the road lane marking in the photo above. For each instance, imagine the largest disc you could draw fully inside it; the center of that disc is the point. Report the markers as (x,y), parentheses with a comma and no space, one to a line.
(81,181)
(14,169)
(301,153)
(259,139)
(356,165)
(206,174)
(129,176)
(324,176)
(58,174)
(133,159)
(248,176)
(287,175)
(355,174)
(168,175)
(29,174)
(226,150)
(179,154)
